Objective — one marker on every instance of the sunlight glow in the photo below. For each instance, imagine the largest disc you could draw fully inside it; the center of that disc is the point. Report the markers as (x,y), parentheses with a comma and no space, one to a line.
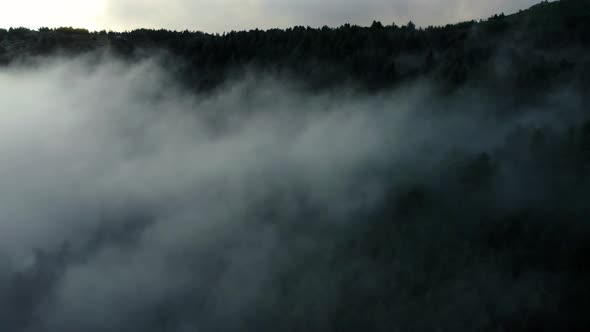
(87,14)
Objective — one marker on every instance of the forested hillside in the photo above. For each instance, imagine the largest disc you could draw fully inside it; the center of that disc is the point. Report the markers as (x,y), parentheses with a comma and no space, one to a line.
(541,45)
(381,178)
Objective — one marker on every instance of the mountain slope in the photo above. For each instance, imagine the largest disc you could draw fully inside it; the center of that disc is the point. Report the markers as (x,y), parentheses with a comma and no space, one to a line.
(372,57)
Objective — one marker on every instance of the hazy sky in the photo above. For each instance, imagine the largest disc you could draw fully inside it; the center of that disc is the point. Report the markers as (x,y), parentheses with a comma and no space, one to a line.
(225,15)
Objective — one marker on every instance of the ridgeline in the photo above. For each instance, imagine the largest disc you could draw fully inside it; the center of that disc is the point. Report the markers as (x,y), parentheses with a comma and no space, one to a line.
(541,46)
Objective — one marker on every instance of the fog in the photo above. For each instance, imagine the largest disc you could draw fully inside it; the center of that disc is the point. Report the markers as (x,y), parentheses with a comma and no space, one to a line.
(129,203)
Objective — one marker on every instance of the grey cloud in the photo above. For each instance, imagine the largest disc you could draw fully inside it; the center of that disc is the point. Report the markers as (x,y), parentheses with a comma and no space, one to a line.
(226,15)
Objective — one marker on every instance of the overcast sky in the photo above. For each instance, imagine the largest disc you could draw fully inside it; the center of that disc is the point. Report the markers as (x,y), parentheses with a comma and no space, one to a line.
(226,15)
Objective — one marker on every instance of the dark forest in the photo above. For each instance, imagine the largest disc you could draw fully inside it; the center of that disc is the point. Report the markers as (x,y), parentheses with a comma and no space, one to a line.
(380,178)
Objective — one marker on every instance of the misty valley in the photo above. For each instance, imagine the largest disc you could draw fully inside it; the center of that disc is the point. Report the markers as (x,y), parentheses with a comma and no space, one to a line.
(379,178)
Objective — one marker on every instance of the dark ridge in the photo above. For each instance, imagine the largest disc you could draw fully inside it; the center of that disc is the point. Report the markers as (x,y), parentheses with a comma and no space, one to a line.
(372,58)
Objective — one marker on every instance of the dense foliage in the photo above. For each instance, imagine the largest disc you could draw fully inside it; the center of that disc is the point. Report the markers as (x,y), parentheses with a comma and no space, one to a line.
(535,44)
(495,239)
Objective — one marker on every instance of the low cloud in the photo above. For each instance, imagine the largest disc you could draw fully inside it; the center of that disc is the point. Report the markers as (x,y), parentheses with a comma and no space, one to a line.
(129,203)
